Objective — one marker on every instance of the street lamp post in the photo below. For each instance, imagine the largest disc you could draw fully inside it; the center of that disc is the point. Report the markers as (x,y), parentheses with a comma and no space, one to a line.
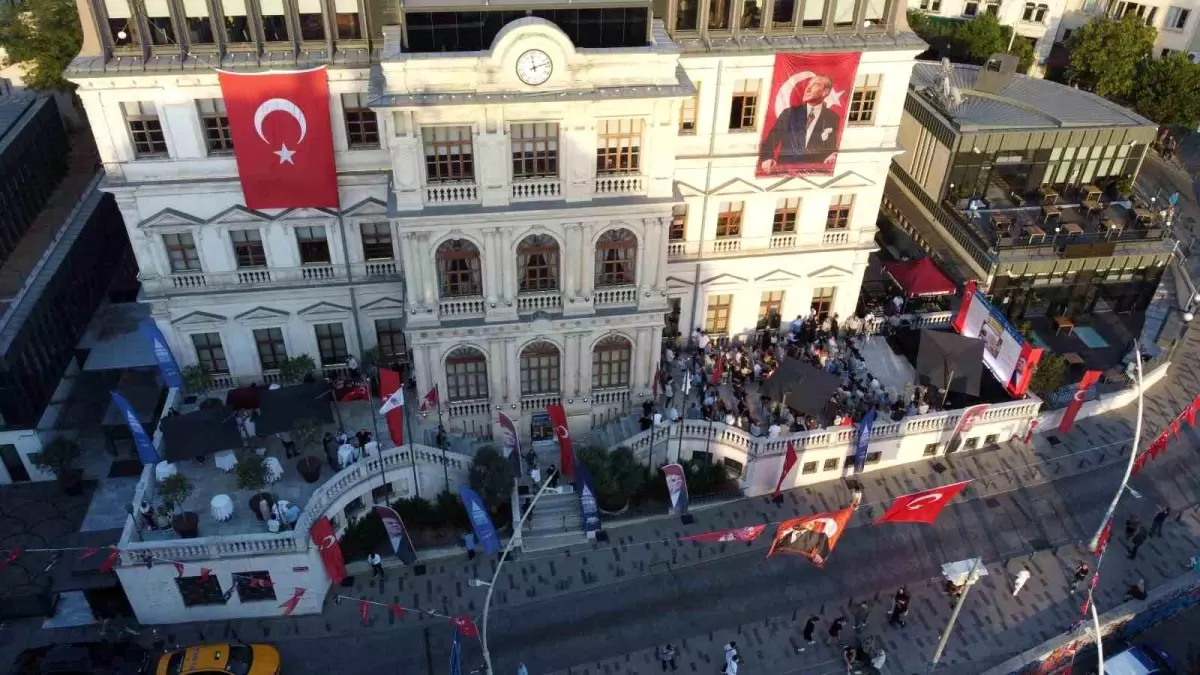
(491,585)
(971,579)
(1099,637)
(1137,437)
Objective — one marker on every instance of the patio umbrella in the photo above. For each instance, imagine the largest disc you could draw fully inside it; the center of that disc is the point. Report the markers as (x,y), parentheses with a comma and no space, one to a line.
(200,433)
(801,386)
(920,278)
(282,407)
(951,361)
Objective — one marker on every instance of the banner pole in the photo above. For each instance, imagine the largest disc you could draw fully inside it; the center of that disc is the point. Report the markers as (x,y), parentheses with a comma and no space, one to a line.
(937,655)
(1137,437)
(408,430)
(441,442)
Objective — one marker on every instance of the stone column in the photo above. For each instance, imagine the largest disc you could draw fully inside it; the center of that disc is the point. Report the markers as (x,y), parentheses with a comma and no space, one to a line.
(428,265)
(508,267)
(584,364)
(587,260)
(412,272)
(661,268)
(513,368)
(497,389)
(569,273)
(570,369)
(491,264)
(421,368)
(638,376)
(648,245)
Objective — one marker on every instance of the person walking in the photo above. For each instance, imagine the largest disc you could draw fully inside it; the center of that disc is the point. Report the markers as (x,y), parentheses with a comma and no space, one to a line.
(810,627)
(469,543)
(1138,539)
(835,630)
(1160,517)
(1131,525)
(521,669)
(1081,573)
(666,654)
(732,659)
(899,609)
(861,614)
(1019,580)
(376,565)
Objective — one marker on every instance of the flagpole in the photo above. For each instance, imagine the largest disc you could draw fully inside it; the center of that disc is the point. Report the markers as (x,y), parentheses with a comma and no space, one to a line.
(937,655)
(408,428)
(1137,436)
(442,443)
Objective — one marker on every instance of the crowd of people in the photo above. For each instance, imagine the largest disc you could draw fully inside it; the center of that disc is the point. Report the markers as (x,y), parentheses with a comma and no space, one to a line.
(705,365)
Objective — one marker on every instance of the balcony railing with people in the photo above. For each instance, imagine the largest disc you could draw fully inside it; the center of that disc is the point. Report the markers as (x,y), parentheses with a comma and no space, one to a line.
(615,296)
(542,301)
(271,277)
(786,241)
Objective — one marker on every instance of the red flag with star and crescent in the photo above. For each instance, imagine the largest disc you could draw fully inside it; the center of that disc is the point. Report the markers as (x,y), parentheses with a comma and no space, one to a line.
(562,431)
(282,138)
(922,507)
(745,534)
(331,552)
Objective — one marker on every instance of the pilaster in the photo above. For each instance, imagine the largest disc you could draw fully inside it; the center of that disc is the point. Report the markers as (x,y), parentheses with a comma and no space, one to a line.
(587,262)
(412,272)
(497,368)
(429,277)
(491,262)
(513,369)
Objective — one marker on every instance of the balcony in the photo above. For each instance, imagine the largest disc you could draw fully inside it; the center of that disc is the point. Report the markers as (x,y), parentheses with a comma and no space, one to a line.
(454,309)
(611,396)
(776,243)
(451,193)
(615,296)
(469,408)
(547,301)
(536,190)
(267,278)
(620,185)
(537,402)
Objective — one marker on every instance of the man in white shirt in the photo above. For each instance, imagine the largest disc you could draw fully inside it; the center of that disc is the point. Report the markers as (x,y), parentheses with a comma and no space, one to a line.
(376,565)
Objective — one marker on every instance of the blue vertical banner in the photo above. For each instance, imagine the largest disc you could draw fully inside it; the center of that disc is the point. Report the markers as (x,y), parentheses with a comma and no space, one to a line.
(589,511)
(167,366)
(456,654)
(481,522)
(864,439)
(145,446)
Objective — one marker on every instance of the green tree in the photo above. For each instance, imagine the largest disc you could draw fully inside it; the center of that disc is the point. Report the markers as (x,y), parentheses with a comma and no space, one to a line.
(44,36)
(492,476)
(971,41)
(1105,55)
(1167,90)
(1049,375)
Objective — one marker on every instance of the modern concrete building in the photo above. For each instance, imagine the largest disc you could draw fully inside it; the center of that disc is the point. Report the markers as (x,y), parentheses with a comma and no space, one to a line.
(1021,183)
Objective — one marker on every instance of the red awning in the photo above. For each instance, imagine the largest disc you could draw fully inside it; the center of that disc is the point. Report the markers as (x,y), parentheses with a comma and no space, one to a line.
(920,278)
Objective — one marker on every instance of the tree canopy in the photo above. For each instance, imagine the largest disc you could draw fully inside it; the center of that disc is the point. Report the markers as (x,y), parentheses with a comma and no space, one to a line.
(43,36)
(1167,90)
(1105,55)
(971,41)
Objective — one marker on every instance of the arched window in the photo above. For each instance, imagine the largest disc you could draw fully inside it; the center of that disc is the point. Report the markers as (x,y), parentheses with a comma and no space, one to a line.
(539,369)
(466,375)
(610,362)
(458,269)
(616,258)
(537,263)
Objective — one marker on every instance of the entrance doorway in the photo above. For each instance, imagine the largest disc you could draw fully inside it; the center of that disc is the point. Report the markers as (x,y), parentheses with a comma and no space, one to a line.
(14,465)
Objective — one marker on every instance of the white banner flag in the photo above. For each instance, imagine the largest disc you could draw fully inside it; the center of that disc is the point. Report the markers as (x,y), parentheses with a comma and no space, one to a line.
(396,400)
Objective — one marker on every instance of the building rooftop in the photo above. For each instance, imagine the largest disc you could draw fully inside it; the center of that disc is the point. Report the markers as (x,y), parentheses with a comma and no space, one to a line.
(12,107)
(1024,103)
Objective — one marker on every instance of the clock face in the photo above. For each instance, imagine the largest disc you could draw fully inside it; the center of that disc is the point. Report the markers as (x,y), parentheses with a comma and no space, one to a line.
(534,67)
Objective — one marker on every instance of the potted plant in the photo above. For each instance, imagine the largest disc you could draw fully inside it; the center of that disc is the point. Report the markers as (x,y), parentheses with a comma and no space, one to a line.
(296,368)
(174,491)
(58,457)
(251,472)
(197,379)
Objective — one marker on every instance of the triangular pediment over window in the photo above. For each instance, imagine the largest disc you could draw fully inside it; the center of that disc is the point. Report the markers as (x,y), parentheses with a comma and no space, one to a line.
(384,306)
(170,218)
(240,214)
(778,276)
(200,320)
(830,272)
(323,310)
(367,208)
(262,314)
(723,280)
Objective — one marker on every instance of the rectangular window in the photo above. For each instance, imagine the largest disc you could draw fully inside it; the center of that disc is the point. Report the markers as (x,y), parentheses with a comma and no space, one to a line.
(331,343)
(1027,12)
(537,264)
(162,31)
(611,365)
(539,370)
(349,26)
(122,27)
(197,591)
(209,352)
(271,350)
(729,220)
(389,335)
(718,14)
(1177,18)
(377,241)
(534,149)
(862,101)
(771,302)
(181,251)
(808,467)
(783,15)
(248,248)
(930,450)
(751,15)
(448,154)
(1040,15)
(274,20)
(198,24)
(145,129)
(822,302)
(744,109)
(787,212)
(831,464)
(237,27)
(838,216)
(991,439)
(215,122)
(618,146)
(993,8)
(362,127)
(314,249)
(254,586)
(971,9)
(716,314)
(686,15)
(312,26)
(687,113)
(971,444)
(678,228)
(466,375)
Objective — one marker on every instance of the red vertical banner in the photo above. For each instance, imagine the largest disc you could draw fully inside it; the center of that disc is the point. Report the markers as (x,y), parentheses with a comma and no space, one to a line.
(389,383)
(566,453)
(331,553)
(806,113)
(1068,420)
(283,138)
(961,317)
(789,461)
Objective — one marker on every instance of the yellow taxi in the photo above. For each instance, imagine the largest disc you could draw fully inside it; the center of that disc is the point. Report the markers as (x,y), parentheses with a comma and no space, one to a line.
(220,659)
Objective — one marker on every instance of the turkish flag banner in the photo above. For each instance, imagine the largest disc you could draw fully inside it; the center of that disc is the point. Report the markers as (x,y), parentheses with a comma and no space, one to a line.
(282,138)
(289,605)
(811,536)
(566,453)
(466,625)
(331,553)
(111,561)
(1089,378)
(744,534)
(789,461)
(364,611)
(389,383)
(922,507)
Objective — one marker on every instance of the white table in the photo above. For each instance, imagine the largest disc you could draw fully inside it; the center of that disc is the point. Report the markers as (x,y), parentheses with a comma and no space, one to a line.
(164,470)
(345,455)
(225,460)
(222,508)
(274,469)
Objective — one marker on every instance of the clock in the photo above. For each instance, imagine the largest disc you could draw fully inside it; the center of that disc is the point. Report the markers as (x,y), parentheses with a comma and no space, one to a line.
(534,67)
